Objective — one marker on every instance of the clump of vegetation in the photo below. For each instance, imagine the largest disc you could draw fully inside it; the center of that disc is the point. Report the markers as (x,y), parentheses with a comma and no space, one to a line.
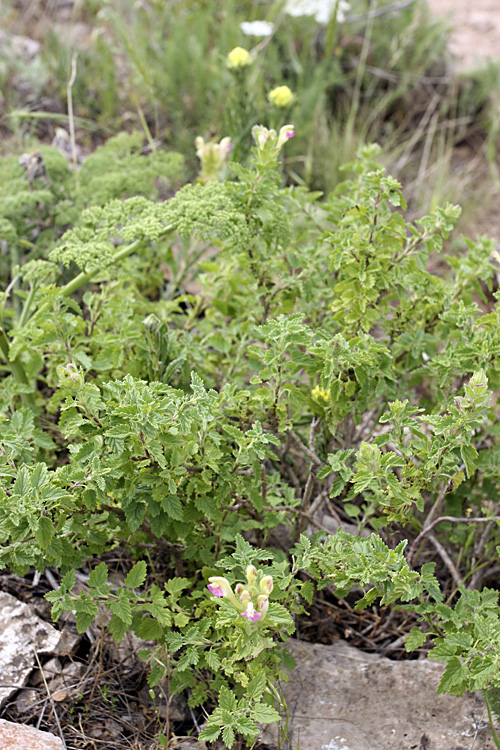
(320,361)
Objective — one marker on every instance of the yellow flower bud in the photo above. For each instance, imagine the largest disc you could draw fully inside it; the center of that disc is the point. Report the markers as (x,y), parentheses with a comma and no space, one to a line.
(266,585)
(281,96)
(251,573)
(238,58)
(263,604)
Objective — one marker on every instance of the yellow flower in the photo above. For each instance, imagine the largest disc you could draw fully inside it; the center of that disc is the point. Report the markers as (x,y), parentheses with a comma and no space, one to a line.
(319,394)
(238,58)
(281,96)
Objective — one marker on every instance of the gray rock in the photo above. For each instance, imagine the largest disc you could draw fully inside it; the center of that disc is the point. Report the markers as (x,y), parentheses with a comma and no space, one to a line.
(340,698)
(21,634)
(22,737)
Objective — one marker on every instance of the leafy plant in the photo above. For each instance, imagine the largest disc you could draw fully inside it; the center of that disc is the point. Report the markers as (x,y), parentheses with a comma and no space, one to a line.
(319,360)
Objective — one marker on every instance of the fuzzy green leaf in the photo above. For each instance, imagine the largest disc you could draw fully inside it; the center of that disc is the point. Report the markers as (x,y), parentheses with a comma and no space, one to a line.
(137,575)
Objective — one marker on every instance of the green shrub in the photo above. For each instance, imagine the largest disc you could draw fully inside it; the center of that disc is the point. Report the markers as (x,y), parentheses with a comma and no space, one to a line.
(320,358)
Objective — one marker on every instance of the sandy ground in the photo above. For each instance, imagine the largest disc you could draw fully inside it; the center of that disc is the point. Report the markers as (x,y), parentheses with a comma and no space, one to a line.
(476,29)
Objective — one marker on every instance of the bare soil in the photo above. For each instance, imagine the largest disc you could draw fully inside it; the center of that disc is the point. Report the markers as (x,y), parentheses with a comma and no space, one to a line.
(475,37)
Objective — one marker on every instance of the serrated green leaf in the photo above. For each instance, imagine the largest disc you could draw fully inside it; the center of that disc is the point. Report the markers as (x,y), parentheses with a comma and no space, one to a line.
(137,575)
(442,651)
(227,699)
(189,658)
(175,641)
(150,630)
(68,581)
(228,737)
(415,640)
(22,485)
(469,457)
(181,620)
(156,675)
(172,505)
(83,621)
(177,585)
(307,591)
(39,476)
(98,576)
(247,728)
(257,686)
(264,714)
(45,532)
(212,660)
(454,680)
(118,628)
(209,734)
(122,609)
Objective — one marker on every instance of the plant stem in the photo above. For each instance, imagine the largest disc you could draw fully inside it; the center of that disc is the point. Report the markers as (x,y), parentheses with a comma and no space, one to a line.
(23,318)
(85,276)
(451,519)
(17,370)
(496,740)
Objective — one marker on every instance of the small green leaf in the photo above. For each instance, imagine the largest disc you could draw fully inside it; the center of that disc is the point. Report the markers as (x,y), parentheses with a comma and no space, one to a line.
(121,608)
(45,532)
(227,700)
(257,686)
(454,680)
(118,628)
(209,734)
(469,455)
(137,575)
(307,591)
(150,630)
(98,576)
(415,640)
(442,651)
(68,581)
(264,714)
(213,661)
(177,585)
(228,737)
(83,621)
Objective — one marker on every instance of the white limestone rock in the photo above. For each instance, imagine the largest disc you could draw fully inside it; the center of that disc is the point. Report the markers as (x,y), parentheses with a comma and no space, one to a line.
(21,634)
(340,698)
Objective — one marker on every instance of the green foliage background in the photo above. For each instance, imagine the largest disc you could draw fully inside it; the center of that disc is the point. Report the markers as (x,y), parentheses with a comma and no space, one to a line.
(195,368)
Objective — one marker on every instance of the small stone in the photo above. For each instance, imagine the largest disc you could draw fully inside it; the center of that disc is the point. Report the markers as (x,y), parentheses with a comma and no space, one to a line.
(68,645)
(22,737)
(67,683)
(26,700)
(21,634)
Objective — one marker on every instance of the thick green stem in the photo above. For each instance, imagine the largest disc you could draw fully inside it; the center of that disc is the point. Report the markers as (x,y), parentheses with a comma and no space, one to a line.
(85,276)
(23,318)
(17,370)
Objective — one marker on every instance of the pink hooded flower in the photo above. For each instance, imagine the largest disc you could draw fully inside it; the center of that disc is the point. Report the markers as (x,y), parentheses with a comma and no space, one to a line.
(219,586)
(251,614)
